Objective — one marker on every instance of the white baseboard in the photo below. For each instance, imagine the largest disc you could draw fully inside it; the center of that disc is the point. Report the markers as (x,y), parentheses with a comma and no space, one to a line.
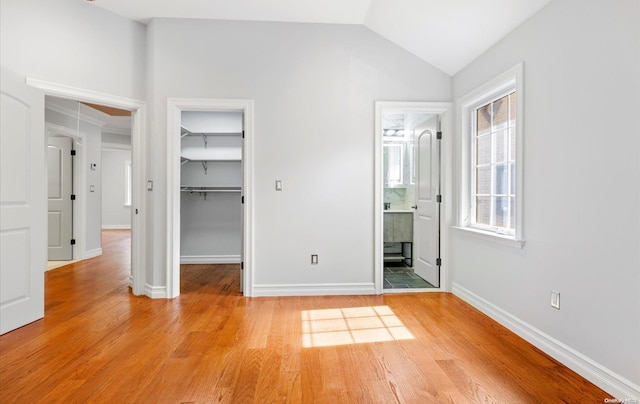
(314,289)
(210,259)
(609,381)
(155,292)
(116,227)
(92,253)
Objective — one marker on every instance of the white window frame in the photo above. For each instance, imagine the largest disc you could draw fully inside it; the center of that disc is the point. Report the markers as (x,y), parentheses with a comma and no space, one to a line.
(505,83)
(128,170)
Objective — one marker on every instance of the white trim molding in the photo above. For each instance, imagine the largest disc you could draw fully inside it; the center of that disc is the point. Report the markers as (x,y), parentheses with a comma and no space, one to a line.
(96,252)
(491,237)
(504,83)
(597,374)
(116,227)
(315,289)
(210,259)
(155,292)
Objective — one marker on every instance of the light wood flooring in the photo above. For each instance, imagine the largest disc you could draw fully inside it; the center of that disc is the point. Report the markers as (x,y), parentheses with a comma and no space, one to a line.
(100,344)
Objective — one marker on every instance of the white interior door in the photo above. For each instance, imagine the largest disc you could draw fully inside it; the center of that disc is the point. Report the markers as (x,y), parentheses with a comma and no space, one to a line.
(425,219)
(22,203)
(59,199)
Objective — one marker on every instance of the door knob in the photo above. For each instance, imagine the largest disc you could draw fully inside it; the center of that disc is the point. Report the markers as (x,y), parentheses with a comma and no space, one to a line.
(414,207)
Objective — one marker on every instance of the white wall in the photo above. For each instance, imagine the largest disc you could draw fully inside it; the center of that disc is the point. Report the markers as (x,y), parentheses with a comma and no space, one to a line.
(314,87)
(581,183)
(116,139)
(115,214)
(74,43)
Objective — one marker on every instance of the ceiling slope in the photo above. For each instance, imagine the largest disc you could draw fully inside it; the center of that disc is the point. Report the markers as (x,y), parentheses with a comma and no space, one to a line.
(448,34)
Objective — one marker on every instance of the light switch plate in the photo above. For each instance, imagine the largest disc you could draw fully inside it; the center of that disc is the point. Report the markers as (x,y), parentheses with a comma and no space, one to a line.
(555,299)
(278,185)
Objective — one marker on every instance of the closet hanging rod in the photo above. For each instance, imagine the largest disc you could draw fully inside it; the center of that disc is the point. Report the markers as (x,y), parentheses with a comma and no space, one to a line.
(210,190)
(183,134)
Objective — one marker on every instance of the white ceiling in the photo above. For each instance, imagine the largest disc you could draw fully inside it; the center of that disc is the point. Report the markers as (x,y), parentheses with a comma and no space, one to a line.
(448,34)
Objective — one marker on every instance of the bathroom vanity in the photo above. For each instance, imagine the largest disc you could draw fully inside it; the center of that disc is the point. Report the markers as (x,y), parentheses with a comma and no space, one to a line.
(398,236)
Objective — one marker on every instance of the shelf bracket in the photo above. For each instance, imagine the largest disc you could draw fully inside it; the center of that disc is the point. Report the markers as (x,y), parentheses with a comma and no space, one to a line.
(204,139)
(204,165)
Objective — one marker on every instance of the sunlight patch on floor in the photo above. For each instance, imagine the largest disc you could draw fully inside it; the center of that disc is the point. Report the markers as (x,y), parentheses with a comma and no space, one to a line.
(353,325)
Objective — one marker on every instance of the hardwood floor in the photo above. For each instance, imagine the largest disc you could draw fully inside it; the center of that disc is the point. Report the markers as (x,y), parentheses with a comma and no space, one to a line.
(98,343)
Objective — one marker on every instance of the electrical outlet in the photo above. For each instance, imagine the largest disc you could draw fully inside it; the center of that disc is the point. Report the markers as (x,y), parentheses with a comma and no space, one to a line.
(314,259)
(555,299)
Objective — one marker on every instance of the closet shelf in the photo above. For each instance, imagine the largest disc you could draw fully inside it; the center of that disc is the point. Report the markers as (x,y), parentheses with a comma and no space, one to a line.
(217,154)
(201,189)
(186,132)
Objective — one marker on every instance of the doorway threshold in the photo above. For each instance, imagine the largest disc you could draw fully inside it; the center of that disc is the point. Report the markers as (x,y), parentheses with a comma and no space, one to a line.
(57,264)
(399,277)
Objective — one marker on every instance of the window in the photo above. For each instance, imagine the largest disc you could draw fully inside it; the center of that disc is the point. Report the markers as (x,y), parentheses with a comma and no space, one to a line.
(127,182)
(491,139)
(494,158)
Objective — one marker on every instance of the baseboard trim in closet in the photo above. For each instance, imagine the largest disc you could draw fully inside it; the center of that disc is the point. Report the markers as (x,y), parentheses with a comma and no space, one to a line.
(210,259)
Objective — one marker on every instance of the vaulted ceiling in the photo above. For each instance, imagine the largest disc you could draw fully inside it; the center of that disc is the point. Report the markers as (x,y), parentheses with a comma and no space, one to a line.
(448,34)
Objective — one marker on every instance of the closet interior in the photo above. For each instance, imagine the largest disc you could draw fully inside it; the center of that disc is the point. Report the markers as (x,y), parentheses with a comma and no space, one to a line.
(211,187)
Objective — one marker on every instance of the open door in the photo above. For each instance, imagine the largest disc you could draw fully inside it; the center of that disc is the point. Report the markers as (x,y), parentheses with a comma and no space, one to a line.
(60,200)
(426,219)
(22,203)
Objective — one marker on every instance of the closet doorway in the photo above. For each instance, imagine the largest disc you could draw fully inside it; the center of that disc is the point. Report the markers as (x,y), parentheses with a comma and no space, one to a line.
(210,150)
(211,187)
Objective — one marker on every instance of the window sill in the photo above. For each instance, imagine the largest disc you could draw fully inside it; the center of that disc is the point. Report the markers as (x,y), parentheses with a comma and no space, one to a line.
(489,236)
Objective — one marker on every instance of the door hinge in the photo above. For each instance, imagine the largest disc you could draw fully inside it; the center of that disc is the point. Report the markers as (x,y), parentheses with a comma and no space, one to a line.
(439,198)
(242,199)
(242,265)
(73,197)
(243,134)
(73,152)
(439,135)
(73,241)
(439,261)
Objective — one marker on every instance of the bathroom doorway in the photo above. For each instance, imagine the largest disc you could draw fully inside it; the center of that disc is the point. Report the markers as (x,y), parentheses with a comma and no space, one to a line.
(409,196)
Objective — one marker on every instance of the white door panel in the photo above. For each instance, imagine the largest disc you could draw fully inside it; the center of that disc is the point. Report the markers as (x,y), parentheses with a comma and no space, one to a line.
(22,203)
(426,223)
(60,212)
